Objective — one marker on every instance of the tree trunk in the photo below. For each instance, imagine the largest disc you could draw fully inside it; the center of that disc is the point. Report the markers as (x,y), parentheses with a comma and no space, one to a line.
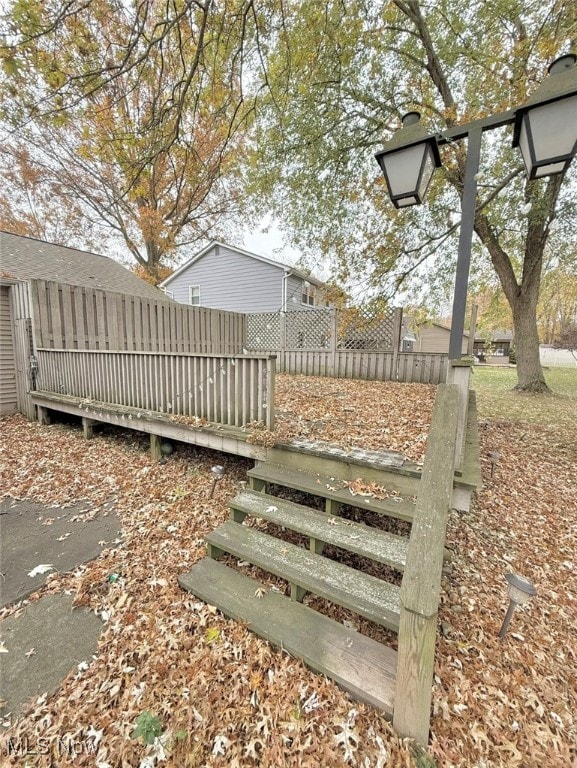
(529,372)
(522,299)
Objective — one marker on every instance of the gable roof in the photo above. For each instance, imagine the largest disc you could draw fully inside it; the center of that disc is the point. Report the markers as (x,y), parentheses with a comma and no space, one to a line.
(25,258)
(288,270)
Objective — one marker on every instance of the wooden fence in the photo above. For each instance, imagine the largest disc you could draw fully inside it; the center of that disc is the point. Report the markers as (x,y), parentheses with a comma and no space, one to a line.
(363,364)
(73,317)
(421,585)
(227,390)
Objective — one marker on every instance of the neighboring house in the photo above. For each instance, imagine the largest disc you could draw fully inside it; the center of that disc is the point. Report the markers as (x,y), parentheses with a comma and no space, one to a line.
(496,344)
(23,259)
(225,277)
(433,337)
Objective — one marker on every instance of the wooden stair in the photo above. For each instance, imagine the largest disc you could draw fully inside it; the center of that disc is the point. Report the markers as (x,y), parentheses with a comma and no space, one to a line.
(323,528)
(305,571)
(362,666)
(336,492)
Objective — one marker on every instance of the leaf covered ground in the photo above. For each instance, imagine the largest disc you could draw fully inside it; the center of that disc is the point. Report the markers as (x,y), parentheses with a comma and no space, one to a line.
(167,663)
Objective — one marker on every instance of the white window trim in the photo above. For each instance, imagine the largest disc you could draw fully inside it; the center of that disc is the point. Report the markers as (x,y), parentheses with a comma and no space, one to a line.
(168,293)
(190,289)
(309,291)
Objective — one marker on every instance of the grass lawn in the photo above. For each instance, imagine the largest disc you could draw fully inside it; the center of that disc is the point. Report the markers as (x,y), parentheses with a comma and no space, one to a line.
(497,400)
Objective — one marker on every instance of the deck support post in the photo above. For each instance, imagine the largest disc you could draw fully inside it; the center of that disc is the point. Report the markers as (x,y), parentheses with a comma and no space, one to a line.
(88,427)
(155,452)
(44,416)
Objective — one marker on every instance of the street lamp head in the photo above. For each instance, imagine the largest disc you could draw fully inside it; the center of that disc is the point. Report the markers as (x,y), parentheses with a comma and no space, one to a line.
(546,125)
(408,161)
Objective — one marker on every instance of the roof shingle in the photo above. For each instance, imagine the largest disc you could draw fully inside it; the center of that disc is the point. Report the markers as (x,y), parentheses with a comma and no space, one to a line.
(24,258)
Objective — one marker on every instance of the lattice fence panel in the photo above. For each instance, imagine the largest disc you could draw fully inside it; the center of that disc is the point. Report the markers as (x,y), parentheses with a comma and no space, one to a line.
(263,331)
(363,328)
(309,329)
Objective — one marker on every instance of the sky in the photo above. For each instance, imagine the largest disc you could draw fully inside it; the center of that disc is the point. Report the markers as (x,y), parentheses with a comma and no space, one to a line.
(268,240)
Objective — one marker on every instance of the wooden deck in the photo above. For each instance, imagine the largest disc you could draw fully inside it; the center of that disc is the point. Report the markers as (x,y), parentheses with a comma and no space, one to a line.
(214,436)
(399,684)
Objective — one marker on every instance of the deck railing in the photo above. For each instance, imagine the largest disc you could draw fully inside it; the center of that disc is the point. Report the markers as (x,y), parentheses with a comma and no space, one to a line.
(234,391)
(421,585)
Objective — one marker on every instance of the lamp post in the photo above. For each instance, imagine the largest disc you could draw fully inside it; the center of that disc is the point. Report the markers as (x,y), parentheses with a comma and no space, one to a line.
(545,132)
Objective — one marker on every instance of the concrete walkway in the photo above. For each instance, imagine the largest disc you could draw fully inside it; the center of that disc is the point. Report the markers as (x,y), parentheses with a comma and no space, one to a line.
(47,638)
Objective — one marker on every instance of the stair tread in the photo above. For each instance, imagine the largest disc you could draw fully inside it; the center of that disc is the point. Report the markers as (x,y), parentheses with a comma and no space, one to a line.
(373,598)
(373,543)
(319,485)
(363,667)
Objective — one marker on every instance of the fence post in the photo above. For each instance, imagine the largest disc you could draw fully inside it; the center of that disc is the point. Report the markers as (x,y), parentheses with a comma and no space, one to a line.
(397,328)
(283,324)
(334,341)
(421,584)
(270,391)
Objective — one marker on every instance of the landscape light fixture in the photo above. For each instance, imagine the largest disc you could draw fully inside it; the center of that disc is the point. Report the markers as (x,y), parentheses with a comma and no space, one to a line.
(494,459)
(545,131)
(217,473)
(520,591)
(408,161)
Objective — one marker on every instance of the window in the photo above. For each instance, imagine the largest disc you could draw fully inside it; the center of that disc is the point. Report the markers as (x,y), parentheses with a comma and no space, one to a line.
(194,295)
(168,293)
(308,294)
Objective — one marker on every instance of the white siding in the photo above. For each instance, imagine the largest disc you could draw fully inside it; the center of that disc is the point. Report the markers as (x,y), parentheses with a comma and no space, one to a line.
(8,394)
(233,281)
(294,295)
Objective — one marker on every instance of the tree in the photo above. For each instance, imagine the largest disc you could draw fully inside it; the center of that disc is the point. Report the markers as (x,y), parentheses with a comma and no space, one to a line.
(567,338)
(341,75)
(134,110)
(557,303)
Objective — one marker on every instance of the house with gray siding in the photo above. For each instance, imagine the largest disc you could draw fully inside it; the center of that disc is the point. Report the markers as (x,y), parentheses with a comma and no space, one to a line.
(225,277)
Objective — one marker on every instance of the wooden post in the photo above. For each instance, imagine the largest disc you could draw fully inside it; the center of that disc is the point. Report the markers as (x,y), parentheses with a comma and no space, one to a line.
(270,391)
(334,341)
(459,373)
(316,546)
(397,329)
(88,427)
(44,416)
(155,452)
(332,507)
(421,584)
(472,330)
(256,484)
(282,322)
